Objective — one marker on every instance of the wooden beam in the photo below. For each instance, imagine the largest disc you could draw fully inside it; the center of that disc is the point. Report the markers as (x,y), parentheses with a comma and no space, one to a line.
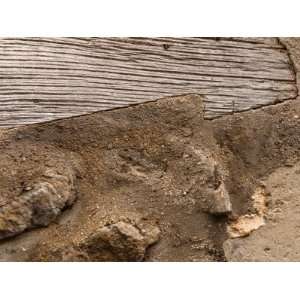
(43,79)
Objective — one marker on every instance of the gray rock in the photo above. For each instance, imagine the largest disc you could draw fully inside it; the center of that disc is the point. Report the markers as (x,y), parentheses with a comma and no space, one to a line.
(220,201)
(38,205)
(120,242)
(207,178)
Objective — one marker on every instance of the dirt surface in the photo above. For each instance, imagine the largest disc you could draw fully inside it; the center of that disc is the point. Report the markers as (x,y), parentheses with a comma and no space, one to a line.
(153,182)
(279,239)
(158,169)
(154,168)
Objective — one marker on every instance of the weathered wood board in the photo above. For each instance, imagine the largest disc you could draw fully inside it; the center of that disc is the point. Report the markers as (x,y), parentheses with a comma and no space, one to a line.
(43,79)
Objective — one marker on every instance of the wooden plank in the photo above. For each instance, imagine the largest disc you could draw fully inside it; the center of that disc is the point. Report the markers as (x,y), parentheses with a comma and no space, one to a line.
(43,79)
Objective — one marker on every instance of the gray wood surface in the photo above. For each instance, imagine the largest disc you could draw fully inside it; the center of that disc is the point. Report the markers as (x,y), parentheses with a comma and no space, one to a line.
(43,79)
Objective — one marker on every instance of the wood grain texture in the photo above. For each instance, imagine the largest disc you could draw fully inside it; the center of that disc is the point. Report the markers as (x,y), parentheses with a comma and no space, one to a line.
(43,79)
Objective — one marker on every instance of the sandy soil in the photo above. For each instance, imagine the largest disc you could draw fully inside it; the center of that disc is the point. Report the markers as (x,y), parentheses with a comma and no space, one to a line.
(147,178)
(145,166)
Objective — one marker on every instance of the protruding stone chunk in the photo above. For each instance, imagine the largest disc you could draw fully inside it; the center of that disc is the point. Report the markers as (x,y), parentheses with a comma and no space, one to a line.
(38,205)
(121,241)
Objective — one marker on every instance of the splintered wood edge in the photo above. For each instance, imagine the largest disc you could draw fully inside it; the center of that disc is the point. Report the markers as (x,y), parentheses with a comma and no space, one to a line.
(44,79)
